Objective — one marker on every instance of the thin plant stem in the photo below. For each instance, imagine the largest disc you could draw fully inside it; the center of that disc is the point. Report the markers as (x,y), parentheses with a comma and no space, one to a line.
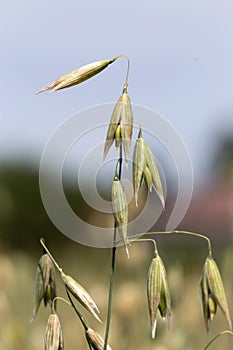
(120,162)
(127,72)
(76,311)
(42,242)
(148,240)
(177,232)
(59,298)
(217,336)
(113,261)
(111,282)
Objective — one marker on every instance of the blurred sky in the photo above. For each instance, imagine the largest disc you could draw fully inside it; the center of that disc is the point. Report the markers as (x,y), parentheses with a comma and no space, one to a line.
(181,56)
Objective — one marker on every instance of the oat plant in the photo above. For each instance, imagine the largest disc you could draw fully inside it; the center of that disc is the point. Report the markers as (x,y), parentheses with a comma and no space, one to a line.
(144,169)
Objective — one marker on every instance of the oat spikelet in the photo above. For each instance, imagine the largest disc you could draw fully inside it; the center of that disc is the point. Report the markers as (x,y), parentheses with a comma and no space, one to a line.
(78,76)
(212,293)
(145,168)
(158,293)
(120,128)
(139,164)
(45,284)
(95,340)
(152,166)
(81,295)
(120,210)
(53,335)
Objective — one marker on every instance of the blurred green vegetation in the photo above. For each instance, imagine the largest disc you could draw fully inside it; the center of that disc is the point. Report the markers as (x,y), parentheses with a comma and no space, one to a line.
(23,221)
(23,218)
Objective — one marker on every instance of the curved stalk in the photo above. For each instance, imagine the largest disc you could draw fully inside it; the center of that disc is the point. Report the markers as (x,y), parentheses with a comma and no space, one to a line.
(177,232)
(127,72)
(59,298)
(217,336)
(148,240)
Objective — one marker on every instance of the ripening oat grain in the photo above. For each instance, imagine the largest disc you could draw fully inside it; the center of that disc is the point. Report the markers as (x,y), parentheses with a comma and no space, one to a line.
(81,295)
(121,126)
(158,293)
(145,167)
(53,334)
(95,341)
(45,284)
(120,210)
(78,76)
(212,293)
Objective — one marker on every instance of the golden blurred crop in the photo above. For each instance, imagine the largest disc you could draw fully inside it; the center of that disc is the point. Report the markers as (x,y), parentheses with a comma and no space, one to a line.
(130,328)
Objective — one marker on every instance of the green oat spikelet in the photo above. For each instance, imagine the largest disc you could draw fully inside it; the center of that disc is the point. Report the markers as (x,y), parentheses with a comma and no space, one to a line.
(81,295)
(120,210)
(45,284)
(78,76)
(53,335)
(95,341)
(158,293)
(148,179)
(152,167)
(139,164)
(120,127)
(145,167)
(212,293)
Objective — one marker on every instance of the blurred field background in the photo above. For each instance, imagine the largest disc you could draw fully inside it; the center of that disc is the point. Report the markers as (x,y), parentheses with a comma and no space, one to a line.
(24,221)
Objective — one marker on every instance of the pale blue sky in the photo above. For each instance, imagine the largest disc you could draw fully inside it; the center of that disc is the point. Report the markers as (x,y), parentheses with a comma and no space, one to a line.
(181,56)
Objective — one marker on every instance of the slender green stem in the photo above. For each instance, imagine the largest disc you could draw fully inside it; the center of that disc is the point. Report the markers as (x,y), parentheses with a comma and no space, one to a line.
(127,72)
(77,312)
(42,242)
(111,282)
(120,162)
(113,261)
(118,168)
(148,240)
(59,298)
(178,232)
(217,336)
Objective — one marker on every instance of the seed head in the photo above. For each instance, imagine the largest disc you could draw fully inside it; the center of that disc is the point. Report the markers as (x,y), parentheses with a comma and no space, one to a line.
(45,284)
(139,166)
(121,125)
(148,178)
(212,293)
(120,210)
(158,293)
(145,167)
(53,335)
(81,295)
(78,76)
(95,341)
